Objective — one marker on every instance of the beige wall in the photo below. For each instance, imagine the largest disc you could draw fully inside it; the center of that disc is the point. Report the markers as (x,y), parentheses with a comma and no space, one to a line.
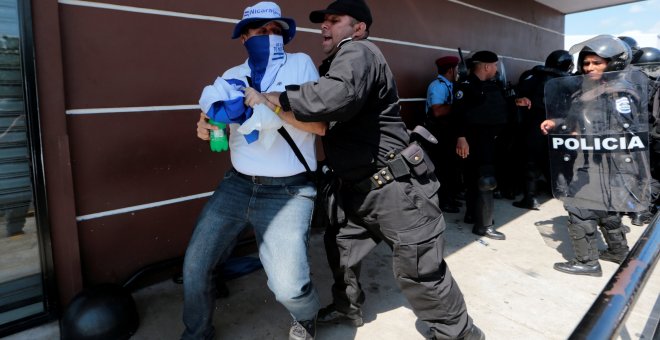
(127,70)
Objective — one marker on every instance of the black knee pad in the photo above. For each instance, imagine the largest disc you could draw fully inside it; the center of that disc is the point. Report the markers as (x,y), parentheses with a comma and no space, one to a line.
(582,230)
(487,183)
(611,222)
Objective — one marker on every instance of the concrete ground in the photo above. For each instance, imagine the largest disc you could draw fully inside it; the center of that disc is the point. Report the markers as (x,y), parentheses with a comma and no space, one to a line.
(511,289)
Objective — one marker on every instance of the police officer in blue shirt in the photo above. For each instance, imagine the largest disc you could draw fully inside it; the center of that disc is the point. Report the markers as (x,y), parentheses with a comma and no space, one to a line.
(439,98)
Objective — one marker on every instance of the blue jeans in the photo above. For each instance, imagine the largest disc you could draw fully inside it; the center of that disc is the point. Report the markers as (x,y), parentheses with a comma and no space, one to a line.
(280,213)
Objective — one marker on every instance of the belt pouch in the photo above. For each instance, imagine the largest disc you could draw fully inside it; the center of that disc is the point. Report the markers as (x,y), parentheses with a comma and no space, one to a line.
(414,156)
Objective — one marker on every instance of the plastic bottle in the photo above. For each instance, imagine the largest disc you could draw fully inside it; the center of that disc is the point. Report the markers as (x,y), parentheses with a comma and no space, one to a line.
(219,140)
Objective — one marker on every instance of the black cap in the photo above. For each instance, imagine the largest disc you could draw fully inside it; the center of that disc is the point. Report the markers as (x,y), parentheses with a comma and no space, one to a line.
(484,57)
(358,9)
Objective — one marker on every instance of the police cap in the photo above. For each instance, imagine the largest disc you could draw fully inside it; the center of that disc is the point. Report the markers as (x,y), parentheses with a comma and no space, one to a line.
(484,57)
(446,62)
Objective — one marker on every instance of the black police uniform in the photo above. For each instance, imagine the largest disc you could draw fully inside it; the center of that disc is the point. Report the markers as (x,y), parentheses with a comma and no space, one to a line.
(597,106)
(482,111)
(532,140)
(388,191)
(641,218)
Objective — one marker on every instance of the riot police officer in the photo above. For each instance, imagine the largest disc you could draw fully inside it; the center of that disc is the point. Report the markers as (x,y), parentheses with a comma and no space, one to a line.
(634,47)
(586,114)
(531,85)
(648,62)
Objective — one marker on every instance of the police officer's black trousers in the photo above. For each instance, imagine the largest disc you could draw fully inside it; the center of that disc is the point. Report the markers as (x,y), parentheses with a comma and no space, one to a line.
(447,162)
(480,173)
(582,227)
(534,145)
(405,215)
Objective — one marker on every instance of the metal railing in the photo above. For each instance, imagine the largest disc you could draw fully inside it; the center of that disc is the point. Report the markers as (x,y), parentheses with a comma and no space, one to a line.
(612,307)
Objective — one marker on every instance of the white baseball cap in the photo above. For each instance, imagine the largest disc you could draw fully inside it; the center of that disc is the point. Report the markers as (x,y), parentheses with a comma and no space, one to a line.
(266,11)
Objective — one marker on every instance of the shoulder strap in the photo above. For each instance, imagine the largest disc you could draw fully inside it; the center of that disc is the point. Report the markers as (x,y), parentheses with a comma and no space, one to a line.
(294,147)
(289,140)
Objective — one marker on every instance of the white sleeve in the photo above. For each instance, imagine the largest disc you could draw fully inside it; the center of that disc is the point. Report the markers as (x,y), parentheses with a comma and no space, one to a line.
(309,71)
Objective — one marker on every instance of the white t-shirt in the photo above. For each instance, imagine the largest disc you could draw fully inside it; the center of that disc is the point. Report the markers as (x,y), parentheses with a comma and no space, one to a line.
(279,160)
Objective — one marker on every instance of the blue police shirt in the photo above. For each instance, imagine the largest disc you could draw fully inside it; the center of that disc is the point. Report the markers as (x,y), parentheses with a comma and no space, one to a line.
(439,92)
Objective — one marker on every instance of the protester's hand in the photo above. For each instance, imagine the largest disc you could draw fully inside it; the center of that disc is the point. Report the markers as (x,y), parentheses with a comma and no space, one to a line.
(462,147)
(524,101)
(203,127)
(273,97)
(254,97)
(547,126)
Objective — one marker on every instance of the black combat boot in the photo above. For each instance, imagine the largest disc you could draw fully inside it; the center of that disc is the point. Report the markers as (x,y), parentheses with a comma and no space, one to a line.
(330,314)
(613,256)
(483,224)
(529,201)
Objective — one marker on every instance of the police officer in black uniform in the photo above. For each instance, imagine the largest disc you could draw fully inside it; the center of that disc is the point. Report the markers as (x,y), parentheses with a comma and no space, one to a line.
(648,61)
(387,190)
(482,111)
(535,145)
(602,184)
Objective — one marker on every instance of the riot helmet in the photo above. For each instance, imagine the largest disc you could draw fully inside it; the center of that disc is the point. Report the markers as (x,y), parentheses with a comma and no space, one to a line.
(649,62)
(560,60)
(650,55)
(630,41)
(634,47)
(614,50)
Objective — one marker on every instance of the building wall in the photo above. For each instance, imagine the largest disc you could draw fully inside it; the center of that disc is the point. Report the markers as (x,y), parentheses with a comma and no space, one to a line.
(124,82)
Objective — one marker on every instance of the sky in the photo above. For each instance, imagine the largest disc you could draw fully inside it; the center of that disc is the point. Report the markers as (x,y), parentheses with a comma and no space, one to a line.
(8,18)
(639,20)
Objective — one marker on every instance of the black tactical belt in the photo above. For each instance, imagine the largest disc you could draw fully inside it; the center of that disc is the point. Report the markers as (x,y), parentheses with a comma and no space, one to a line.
(395,169)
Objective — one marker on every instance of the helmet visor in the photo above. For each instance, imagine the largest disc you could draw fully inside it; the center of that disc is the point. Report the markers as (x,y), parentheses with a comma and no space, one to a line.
(605,46)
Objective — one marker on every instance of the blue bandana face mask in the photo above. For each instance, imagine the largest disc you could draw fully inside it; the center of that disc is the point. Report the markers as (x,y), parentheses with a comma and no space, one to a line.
(265,57)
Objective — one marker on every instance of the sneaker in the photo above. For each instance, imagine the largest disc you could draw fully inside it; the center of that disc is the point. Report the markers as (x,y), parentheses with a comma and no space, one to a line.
(303,330)
(330,314)
(608,255)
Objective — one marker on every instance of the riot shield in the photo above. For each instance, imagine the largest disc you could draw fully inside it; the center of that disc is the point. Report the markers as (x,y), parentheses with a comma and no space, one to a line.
(599,147)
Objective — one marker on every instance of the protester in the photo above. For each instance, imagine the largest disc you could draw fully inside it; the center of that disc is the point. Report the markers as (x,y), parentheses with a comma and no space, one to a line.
(276,199)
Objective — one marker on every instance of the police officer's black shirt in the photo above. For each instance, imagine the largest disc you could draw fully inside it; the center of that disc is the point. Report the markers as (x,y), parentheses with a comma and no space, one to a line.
(357,96)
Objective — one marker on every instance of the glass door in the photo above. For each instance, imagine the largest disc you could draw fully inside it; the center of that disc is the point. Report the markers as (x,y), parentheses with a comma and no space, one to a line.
(23,231)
